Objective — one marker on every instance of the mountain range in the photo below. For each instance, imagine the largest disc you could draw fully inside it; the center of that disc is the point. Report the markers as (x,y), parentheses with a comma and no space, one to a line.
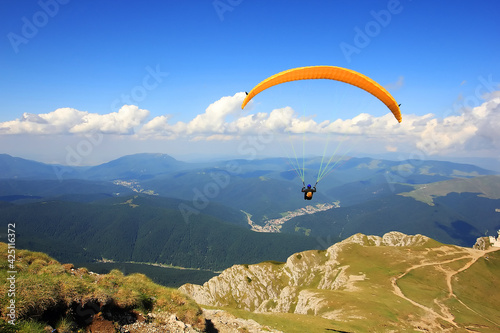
(154,208)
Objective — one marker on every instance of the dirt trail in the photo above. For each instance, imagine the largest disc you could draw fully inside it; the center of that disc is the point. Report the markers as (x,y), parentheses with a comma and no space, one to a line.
(473,255)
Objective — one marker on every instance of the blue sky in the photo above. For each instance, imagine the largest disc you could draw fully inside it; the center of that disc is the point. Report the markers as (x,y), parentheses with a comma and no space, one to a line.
(173,59)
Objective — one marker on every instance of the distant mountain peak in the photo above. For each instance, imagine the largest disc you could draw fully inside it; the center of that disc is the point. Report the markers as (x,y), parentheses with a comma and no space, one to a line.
(142,156)
(135,166)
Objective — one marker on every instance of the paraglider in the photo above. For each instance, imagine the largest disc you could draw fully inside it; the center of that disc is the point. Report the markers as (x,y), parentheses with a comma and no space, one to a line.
(332,73)
(308,192)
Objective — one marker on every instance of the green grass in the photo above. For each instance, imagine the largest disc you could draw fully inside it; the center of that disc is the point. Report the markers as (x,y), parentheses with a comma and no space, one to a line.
(6,327)
(45,286)
(477,288)
(65,325)
(288,322)
(424,285)
(32,326)
(274,262)
(467,318)
(300,323)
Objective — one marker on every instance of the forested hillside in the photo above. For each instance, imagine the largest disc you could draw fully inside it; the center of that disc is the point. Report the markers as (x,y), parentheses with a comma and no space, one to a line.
(146,229)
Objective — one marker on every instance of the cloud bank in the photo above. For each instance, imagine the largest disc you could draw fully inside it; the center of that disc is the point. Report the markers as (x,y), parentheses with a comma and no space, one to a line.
(72,121)
(471,130)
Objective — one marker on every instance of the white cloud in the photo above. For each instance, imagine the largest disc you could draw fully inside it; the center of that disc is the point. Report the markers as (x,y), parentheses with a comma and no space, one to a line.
(395,85)
(214,118)
(122,122)
(68,120)
(470,130)
(56,122)
(280,118)
(473,129)
(212,121)
(391,149)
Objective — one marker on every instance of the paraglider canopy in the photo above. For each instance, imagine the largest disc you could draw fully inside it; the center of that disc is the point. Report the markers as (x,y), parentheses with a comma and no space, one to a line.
(333,73)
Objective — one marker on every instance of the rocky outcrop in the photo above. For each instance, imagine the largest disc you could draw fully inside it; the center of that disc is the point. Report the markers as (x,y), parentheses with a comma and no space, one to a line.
(393,238)
(223,321)
(482,243)
(290,286)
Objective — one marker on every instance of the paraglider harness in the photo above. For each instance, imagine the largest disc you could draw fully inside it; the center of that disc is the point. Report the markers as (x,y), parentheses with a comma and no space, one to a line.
(308,192)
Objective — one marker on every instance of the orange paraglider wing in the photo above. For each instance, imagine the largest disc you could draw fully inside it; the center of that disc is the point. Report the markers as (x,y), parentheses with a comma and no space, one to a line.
(333,73)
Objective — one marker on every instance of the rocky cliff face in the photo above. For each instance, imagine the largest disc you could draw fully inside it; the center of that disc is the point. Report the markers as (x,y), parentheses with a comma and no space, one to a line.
(394,283)
(291,286)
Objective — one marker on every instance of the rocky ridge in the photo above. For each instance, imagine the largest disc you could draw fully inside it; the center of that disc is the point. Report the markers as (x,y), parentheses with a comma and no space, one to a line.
(274,287)
(392,283)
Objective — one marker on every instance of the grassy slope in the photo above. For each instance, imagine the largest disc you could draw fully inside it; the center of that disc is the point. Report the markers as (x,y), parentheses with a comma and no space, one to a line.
(486,186)
(426,285)
(421,273)
(483,275)
(53,293)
